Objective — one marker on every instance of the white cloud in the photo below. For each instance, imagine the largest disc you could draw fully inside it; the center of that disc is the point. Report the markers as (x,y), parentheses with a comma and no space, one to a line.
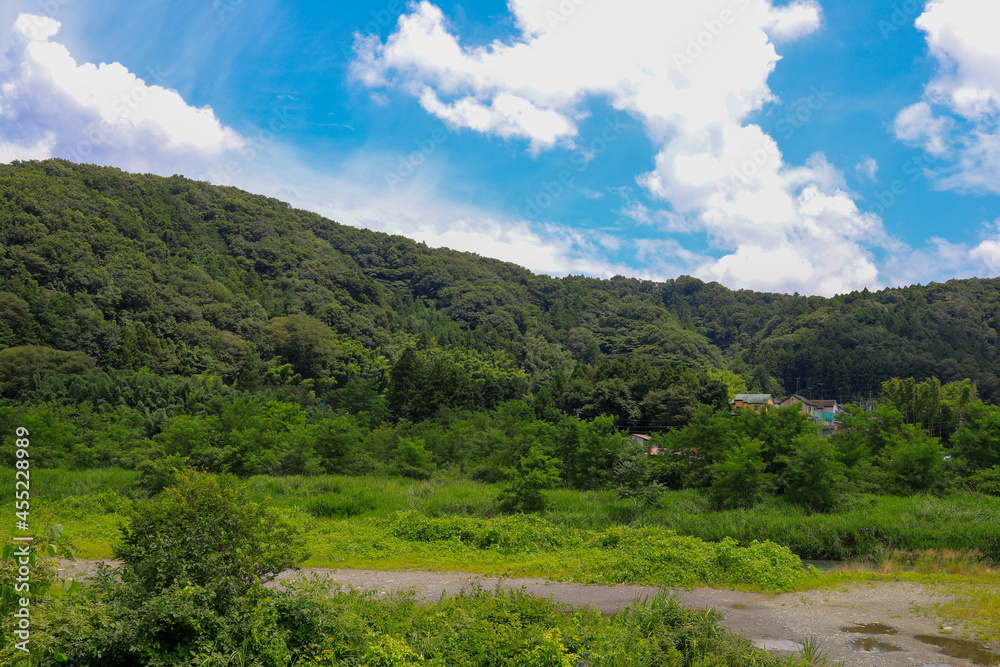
(868,168)
(692,73)
(986,254)
(795,20)
(959,116)
(52,105)
(917,125)
(40,150)
(507,116)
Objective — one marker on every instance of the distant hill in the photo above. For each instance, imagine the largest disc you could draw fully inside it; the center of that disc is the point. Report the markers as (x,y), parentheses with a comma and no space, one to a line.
(182,277)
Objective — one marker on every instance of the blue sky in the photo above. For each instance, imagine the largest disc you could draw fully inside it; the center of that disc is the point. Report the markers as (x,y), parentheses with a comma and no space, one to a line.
(805,146)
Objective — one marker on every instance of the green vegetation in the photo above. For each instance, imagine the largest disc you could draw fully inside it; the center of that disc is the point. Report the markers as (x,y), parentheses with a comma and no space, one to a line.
(91,503)
(401,406)
(189,592)
(183,278)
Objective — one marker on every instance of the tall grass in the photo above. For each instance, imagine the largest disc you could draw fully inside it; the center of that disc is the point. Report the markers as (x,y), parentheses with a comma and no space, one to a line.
(56,484)
(382,496)
(864,527)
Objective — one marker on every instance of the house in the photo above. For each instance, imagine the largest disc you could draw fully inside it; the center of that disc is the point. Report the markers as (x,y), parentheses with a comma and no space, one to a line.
(829,414)
(806,406)
(755,402)
(825,412)
(646,441)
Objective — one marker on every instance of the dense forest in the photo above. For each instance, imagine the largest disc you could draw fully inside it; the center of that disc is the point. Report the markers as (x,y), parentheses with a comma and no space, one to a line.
(104,270)
(148,319)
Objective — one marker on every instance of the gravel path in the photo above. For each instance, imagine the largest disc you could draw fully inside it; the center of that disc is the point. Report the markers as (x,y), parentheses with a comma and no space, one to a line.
(776,622)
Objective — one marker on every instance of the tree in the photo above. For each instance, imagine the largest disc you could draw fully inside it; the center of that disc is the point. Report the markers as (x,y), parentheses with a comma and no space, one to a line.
(188,591)
(633,477)
(977,443)
(308,344)
(739,480)
(19,366)
(668,408)
(702,442)
(523,493)
(914,463)
(612,398)
(813,477)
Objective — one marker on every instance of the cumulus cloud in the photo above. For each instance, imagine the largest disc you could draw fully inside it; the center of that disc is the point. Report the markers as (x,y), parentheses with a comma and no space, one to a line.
(868,168)
(987,253)
(692,73)
(51,105)
(917,125)
(959,115)
(794,20)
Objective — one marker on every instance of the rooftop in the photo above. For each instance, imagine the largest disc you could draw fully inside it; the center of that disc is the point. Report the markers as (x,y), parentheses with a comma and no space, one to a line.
(752,398)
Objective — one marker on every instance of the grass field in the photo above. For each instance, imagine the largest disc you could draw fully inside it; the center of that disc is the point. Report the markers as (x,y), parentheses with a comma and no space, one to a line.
(452,524)
(867,526)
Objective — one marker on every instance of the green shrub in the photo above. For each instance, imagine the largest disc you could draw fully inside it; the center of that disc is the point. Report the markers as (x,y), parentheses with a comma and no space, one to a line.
(411,460)
(987,481)
(157,474)
(205,533)
(523,493)
(812,476)
(739,480)
(633,476)
(340,506)
(188,591)
(914,463)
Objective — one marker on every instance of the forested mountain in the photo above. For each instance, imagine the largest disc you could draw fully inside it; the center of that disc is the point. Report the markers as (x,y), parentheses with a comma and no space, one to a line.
(101,270)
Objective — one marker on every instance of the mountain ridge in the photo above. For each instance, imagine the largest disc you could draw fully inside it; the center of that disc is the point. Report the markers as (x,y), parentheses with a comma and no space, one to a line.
(184,277)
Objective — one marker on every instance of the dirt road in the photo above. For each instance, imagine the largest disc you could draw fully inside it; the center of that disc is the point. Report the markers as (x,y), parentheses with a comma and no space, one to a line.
(885,617)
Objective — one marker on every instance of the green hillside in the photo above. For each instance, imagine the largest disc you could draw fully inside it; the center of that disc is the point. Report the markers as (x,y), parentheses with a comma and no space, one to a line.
(181,277)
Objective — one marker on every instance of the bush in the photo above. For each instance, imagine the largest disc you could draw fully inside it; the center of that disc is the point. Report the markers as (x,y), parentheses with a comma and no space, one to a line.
(987,481)
(523,493)
(633,475)
(206,533)
(411,460)
(339,506)
(813,477)
(739,480)
(189,590)
(914,463)
(157,474)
